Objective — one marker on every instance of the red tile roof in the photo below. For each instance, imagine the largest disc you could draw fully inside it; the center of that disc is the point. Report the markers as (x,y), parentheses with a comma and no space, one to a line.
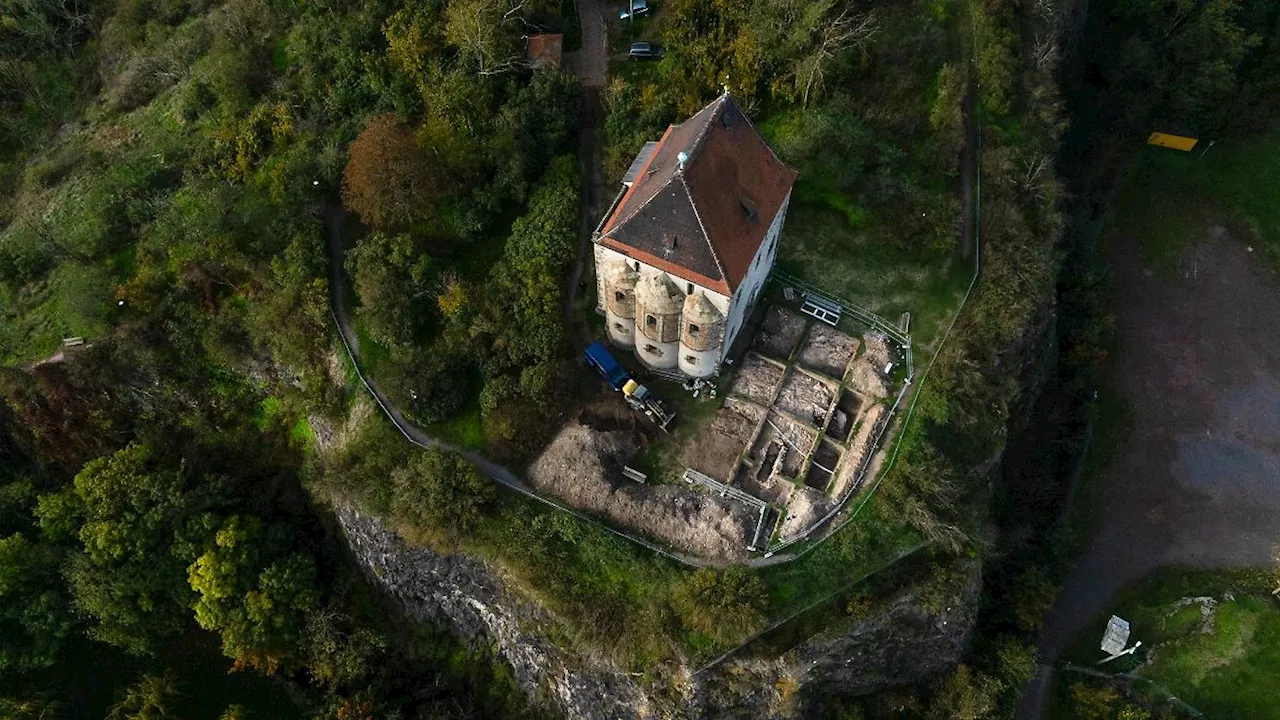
(545,49)
(705,222)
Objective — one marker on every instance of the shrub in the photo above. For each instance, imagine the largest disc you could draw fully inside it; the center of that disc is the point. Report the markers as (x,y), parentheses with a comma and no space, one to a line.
(725,606)
(441,494)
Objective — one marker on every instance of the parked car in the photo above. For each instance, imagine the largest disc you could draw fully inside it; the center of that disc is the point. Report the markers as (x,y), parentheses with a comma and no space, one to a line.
(636,7)
(645,51)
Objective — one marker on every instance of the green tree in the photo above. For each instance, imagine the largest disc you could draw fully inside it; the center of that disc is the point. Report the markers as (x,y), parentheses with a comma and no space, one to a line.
(1016,661)
(257,602)
(486,33)
(440,492)
(338,651)
(997,61)
(34,618)
(151,698)
(28,708)
(964,695)
(392,280)
(1093,702)
(140,524)
(1033,597)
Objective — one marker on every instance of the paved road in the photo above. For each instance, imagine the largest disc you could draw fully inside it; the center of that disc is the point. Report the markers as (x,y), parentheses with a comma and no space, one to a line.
(1198,480)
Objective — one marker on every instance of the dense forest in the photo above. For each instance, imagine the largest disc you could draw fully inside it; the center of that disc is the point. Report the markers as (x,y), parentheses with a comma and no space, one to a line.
(172,171)
(166,170)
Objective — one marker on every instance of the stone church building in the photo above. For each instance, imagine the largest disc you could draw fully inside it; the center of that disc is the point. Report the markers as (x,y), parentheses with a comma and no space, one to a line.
(684,252)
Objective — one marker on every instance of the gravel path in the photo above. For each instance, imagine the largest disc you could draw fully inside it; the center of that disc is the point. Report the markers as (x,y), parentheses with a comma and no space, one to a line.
(1198,481)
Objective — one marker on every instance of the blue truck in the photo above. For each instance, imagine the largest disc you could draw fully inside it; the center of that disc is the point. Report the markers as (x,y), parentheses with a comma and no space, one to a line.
(599,357)
(636,395)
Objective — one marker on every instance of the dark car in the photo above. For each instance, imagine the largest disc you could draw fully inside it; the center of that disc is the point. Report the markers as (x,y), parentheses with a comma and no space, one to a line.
(645,51)
(635,7)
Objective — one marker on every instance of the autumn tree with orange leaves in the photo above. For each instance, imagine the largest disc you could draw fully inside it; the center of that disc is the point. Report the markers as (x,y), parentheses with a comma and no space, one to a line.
(388,181)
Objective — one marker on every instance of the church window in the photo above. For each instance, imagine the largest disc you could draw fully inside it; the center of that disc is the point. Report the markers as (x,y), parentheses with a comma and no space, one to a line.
(650,321)
(691,359)
(694,330)
(652,350)
(689,291)
(619,296)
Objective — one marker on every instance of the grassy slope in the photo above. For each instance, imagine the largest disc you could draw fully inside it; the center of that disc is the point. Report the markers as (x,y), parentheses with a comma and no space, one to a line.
(1226,673)
(1172,199)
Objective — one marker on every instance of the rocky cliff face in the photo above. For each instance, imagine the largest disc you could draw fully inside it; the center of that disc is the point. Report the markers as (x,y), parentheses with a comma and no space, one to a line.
(470,598)
(898,643)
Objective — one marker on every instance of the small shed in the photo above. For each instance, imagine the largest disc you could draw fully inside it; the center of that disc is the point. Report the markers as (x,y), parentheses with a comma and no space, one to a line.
(546,49)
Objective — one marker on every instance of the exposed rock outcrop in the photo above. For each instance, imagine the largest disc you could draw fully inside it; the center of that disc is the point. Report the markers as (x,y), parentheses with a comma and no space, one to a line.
(898,643)
(469,597)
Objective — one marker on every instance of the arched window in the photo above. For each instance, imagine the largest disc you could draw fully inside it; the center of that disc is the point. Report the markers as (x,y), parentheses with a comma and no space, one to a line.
(652,350)
(619,296)
(691,359)
(650,321)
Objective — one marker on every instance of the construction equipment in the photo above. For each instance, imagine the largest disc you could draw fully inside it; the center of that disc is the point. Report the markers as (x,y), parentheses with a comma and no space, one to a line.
(637,396)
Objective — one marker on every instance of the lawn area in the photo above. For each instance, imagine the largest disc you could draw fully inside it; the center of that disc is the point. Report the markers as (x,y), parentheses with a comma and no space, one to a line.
(830,248)
(1225,668)
(1171,199)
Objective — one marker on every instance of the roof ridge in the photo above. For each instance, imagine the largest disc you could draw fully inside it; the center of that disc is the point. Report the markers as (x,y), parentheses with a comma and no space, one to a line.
(764,142)
(705,235)
(717,106)
(636,183)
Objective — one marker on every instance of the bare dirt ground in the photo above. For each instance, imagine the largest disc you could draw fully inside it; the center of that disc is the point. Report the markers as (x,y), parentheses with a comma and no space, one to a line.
(807,506)
(1198,479)
(859,447)
(779,333)
(828,351)
(806,398)
(716,450)
(757,380)
(582,466)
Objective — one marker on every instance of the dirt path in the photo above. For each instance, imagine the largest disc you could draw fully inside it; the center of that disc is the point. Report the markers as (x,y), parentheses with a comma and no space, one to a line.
(591,65)
(1198,480)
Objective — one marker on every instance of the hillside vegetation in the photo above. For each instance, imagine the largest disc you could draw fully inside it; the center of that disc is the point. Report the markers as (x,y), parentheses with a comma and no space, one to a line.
(171,172)
(166,166)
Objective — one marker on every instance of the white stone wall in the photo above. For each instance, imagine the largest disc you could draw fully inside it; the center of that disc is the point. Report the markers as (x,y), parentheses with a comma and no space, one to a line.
(745,297)
(673,354)
(699,363)
(622,331)
(736,309)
